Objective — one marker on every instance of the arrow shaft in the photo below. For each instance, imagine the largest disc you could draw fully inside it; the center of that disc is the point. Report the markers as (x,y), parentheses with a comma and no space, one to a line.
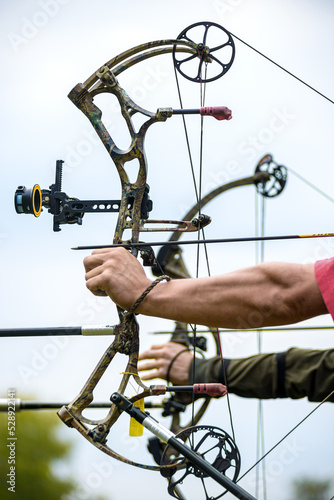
(208,241)
(59,331)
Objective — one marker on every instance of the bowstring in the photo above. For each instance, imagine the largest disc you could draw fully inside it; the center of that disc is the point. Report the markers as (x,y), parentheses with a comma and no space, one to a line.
(198,193)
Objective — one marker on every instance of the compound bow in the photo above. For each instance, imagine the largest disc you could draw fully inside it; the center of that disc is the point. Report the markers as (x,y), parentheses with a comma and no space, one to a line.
(133,209)
(134,204)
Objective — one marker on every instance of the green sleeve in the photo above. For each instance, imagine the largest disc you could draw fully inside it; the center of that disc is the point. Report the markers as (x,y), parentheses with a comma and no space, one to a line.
(309,373)
(295,373)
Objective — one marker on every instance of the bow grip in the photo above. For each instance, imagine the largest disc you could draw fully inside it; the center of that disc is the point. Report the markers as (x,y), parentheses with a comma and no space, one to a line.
(218,112)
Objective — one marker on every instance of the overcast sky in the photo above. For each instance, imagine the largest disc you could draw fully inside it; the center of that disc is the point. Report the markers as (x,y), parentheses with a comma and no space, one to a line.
(48,46)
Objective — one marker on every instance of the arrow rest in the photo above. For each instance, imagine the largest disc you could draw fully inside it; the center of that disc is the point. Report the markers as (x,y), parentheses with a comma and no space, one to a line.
(147,255)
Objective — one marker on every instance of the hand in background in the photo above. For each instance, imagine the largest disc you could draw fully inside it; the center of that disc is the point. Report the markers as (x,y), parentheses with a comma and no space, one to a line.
(172,357)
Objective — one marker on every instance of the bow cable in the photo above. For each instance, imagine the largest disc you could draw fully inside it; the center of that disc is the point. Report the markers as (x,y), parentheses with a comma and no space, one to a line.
(282,68)
(260,216)
(287,435)
(311,185)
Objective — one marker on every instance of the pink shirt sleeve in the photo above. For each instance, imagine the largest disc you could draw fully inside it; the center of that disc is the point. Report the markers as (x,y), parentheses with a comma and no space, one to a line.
(324,273)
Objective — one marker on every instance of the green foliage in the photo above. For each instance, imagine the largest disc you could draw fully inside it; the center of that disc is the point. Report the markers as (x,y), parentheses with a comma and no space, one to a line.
(36,449)
(307,489)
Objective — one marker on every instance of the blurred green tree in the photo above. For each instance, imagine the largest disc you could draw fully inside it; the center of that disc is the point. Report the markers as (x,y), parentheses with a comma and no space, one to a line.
(36,450)
(307,489)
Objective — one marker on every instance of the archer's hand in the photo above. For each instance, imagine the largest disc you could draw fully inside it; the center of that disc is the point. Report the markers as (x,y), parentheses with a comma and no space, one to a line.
(161,357)
(116,273)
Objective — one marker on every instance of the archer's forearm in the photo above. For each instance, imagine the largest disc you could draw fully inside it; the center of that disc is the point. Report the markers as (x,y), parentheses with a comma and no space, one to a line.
(265,295)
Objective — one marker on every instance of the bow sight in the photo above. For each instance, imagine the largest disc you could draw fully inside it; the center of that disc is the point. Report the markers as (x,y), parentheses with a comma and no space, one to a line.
(67,210)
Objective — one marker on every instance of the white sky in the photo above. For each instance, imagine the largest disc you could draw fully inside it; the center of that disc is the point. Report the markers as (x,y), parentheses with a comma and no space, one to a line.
(47,47)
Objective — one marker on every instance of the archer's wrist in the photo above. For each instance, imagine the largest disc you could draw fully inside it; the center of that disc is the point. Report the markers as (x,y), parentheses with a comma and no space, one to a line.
(153,302)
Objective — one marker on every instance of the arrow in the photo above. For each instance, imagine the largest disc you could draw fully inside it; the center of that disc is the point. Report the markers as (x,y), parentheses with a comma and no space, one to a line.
(204,242)
(57,330)
(218,112)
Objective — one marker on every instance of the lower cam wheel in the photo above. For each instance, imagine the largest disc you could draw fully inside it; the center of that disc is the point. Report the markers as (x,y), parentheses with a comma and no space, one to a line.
(212,444)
